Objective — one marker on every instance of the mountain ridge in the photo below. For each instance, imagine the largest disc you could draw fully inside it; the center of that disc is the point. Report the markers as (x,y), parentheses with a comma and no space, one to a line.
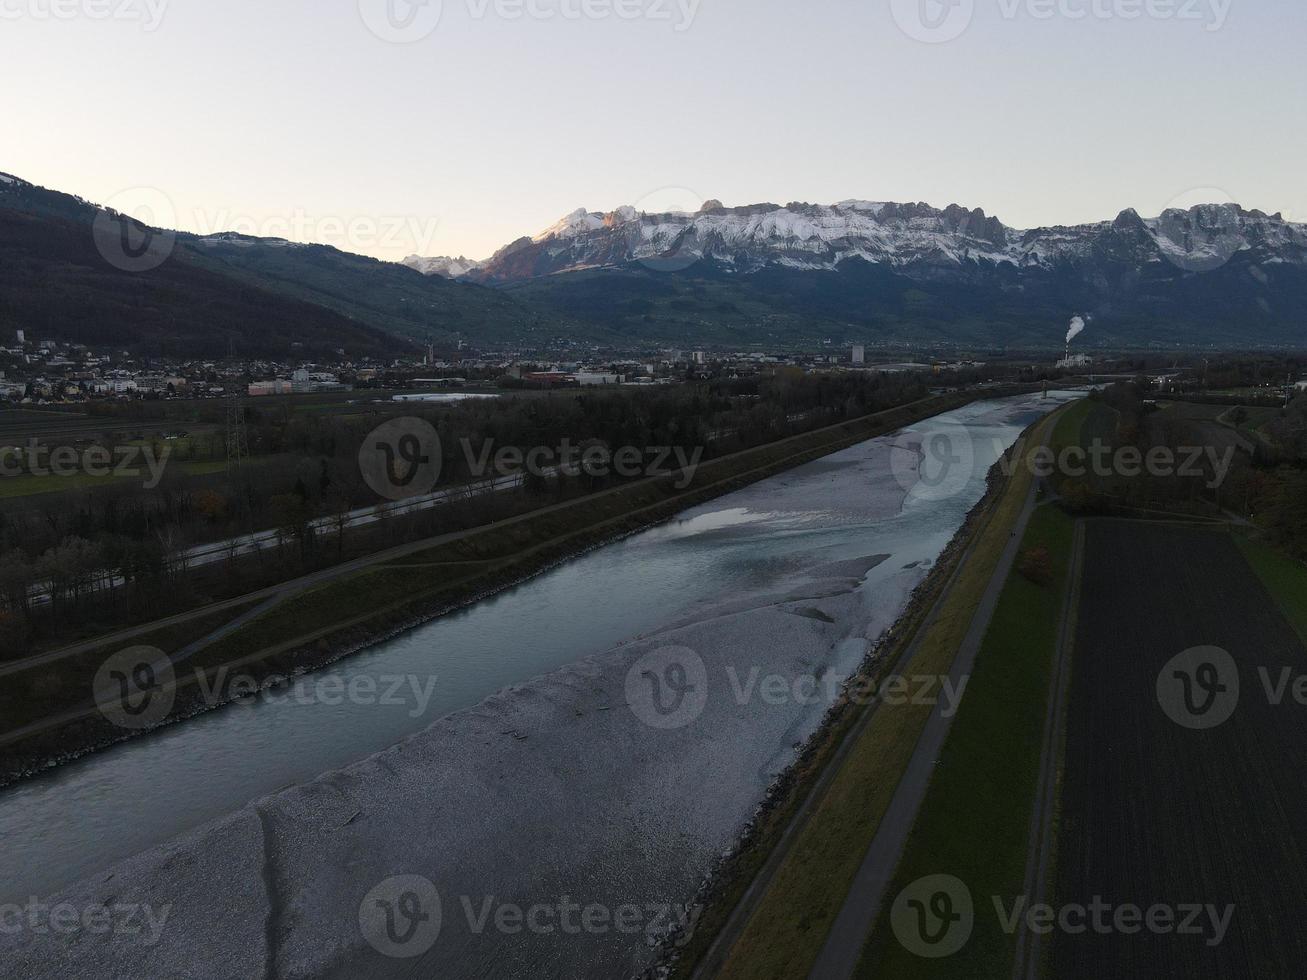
(915,237)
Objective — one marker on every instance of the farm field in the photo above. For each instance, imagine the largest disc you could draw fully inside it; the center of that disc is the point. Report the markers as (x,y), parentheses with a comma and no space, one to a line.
(1157,812)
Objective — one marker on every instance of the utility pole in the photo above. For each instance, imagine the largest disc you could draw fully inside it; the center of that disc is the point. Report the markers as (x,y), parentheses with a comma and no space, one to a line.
(238,446)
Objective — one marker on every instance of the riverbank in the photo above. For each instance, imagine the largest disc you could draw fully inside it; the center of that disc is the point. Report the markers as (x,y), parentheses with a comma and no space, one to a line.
(50,717)
(775,904)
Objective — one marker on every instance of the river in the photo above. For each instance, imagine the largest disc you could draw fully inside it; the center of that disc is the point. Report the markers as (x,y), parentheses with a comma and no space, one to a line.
(521,753)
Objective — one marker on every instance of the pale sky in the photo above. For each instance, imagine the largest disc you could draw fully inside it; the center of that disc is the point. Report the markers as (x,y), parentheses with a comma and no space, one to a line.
(294,118)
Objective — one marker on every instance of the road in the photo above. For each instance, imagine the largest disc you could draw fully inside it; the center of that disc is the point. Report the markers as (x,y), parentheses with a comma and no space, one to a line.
(248,544)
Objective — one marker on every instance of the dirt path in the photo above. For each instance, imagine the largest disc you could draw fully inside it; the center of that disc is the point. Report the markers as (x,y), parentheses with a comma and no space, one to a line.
(1040,856)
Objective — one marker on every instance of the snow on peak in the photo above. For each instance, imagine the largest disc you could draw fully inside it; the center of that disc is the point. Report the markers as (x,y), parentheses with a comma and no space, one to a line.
(442,265)
(578,222)
(815,236)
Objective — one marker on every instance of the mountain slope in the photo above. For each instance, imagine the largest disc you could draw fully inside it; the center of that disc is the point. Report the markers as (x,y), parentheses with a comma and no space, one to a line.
(260,294)
(55,282)
(388,295)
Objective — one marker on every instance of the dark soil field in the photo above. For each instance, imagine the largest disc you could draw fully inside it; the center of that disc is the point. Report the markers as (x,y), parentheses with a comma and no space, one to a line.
(1157,812)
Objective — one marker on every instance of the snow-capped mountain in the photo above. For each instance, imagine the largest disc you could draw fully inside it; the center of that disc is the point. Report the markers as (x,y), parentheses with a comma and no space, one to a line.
(443,265)
(916,239)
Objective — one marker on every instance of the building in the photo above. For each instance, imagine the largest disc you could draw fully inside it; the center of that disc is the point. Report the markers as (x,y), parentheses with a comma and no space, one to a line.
(549,378)
(275,387)
(859,355)
(586,379)
(1075,361)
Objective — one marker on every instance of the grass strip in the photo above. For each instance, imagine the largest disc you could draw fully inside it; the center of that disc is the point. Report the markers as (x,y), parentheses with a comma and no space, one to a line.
(1285,579)
(975,820)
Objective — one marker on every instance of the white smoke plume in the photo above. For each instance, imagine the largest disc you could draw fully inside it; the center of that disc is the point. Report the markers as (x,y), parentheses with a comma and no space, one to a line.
(1077,328)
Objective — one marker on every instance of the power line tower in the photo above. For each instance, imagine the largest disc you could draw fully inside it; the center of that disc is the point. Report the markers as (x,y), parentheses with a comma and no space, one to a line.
(238,443)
